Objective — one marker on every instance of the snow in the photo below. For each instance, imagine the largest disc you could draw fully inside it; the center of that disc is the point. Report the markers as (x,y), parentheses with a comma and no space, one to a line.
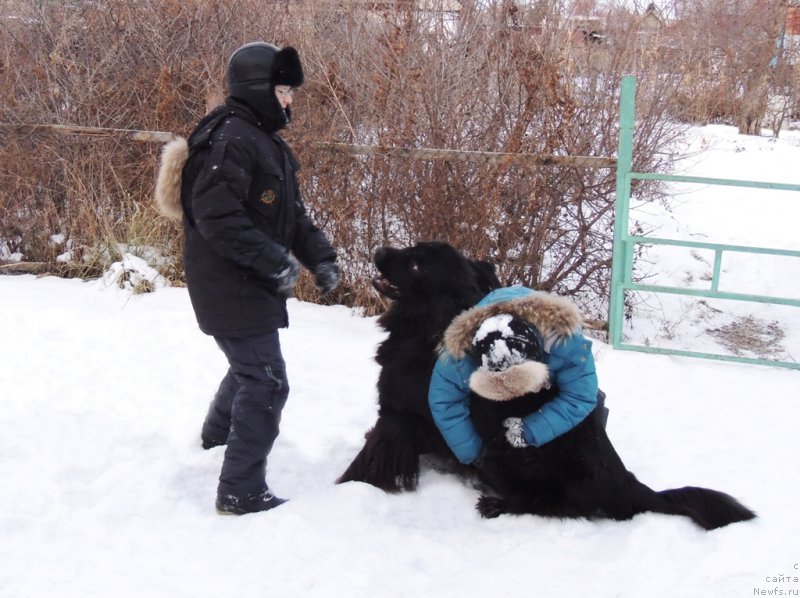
(727,215)
(500,323)
(499,355)
(106,491)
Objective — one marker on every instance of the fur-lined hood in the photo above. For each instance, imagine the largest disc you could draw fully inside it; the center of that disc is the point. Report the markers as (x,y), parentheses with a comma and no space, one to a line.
(167,194)
(554,316)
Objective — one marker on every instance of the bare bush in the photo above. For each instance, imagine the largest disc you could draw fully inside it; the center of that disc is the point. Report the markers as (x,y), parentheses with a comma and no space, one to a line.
(730,55)
(494,76)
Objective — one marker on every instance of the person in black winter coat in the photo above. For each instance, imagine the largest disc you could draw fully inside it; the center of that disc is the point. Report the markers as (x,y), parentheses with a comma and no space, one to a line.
(246,233)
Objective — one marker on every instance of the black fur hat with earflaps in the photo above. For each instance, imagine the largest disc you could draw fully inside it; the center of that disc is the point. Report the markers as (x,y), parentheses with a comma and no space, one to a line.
(255,69)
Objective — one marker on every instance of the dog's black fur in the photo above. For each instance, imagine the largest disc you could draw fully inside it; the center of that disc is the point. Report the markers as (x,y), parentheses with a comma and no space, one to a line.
(429,284)
(578,474)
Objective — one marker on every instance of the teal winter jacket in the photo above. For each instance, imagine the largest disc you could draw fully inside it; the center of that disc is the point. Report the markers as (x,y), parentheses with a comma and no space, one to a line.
(568,356)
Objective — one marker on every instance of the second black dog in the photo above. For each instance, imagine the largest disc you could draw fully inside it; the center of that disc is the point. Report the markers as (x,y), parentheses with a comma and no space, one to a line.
(579,474)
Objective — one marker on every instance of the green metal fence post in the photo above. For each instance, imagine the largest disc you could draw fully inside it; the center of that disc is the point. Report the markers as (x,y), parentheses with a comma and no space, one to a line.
(624,167)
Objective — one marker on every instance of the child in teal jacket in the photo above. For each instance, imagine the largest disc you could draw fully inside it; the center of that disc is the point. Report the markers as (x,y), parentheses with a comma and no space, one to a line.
(514,341)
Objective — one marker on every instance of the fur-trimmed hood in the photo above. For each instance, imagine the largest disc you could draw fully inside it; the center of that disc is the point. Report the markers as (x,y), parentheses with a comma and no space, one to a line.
(554,316)
(567,356)
(167,194)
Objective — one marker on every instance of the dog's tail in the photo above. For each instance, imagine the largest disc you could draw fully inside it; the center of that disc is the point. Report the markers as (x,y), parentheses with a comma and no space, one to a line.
(709,509)
(389,459)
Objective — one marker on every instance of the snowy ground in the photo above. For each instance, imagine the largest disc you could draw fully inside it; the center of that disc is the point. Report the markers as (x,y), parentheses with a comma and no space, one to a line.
(732,216)
(105,490)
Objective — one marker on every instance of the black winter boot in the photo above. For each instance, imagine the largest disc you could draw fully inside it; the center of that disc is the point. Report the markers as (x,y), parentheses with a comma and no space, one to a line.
(228,504)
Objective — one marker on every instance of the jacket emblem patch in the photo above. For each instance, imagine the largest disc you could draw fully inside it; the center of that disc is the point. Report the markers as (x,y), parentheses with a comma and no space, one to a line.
(268,197)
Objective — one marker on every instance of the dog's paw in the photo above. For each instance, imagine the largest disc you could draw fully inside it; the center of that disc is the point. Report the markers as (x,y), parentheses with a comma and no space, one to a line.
(490,506)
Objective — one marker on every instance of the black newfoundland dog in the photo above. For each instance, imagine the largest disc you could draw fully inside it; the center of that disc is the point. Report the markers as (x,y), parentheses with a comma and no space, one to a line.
(578,474)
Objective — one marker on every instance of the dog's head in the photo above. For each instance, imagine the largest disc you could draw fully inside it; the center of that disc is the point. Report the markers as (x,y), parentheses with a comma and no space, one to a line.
(430,269)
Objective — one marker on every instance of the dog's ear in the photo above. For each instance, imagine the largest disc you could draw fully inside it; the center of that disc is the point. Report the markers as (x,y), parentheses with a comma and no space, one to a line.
(485,276)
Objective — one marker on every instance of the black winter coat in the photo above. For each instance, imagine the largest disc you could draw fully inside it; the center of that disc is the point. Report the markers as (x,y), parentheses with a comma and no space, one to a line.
(242,213)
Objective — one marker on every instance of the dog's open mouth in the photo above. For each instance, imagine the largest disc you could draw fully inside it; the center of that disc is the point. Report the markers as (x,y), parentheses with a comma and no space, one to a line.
(385,288)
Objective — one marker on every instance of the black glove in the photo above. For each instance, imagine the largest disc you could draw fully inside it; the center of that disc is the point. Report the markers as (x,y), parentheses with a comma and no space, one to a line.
(326,275)
(286,276)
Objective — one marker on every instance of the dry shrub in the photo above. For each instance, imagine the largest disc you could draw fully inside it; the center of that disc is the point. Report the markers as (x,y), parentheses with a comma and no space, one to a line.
(749,334)
(486,79)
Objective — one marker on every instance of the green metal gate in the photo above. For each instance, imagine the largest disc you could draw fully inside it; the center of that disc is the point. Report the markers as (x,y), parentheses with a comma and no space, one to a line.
(624,244)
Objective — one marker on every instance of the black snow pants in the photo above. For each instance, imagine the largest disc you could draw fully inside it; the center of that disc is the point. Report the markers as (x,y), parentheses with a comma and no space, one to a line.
(247,410)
